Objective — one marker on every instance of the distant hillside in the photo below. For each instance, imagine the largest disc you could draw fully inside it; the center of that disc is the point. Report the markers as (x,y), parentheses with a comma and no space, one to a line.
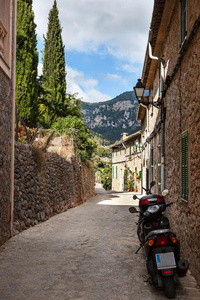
(113,117)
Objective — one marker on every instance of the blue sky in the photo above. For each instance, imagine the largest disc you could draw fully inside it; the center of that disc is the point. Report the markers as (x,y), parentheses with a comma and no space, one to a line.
(105,43)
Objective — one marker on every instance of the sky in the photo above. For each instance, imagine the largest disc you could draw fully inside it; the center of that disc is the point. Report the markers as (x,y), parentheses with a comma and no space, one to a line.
(105,43)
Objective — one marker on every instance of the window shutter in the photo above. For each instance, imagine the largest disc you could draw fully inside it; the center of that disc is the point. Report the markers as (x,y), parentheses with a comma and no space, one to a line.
(116,172)
(184,165)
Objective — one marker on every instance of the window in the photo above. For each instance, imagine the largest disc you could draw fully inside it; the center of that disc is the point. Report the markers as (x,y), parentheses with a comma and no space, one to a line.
(184,165)
(116,172)
(120,152)
(183,20)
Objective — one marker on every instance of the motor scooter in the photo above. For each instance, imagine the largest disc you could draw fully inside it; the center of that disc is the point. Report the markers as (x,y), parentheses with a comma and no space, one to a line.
(160,244)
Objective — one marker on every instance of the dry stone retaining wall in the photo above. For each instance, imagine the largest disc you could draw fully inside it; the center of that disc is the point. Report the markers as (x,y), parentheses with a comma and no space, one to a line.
(47,184)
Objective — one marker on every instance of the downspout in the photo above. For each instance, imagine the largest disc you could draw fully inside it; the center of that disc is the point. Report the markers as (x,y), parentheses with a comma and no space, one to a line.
(162,119)
(146,153)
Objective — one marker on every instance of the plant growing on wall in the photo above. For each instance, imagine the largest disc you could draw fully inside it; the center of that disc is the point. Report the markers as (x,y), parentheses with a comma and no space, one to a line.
(74,127)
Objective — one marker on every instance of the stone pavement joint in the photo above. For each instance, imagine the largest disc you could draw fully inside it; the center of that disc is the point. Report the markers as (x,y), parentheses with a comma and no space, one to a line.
(86,253)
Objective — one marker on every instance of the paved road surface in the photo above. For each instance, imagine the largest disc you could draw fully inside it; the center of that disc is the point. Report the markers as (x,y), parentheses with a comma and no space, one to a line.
(86,253)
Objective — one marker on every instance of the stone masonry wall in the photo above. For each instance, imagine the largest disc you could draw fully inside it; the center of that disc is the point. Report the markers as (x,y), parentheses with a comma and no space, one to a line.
(5,155)
(47,184)
(182,99)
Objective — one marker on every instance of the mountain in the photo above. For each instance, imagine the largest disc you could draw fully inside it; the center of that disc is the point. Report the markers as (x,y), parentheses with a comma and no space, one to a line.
(113,117)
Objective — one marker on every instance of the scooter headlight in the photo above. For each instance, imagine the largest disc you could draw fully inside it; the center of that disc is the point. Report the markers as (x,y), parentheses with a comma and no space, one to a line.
(153,209)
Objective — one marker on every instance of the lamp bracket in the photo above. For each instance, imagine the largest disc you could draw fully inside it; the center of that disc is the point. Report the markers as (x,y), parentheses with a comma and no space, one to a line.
(156,104)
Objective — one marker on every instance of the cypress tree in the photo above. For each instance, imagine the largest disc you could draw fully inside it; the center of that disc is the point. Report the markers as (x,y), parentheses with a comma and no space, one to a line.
(26,63)
(54,74)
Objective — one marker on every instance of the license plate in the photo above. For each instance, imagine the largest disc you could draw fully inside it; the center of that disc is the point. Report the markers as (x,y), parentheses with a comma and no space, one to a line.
(165,260)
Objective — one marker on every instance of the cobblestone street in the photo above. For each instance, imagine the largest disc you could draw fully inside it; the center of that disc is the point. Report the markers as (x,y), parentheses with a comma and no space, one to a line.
(86,253)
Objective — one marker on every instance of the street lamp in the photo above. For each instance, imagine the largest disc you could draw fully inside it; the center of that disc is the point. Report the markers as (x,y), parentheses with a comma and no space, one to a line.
(139,92)
(139,89)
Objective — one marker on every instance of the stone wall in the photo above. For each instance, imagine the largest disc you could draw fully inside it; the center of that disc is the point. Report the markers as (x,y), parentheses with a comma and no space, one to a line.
(5,156)
(47,184)
(181,96)
(7,80)
(182,114)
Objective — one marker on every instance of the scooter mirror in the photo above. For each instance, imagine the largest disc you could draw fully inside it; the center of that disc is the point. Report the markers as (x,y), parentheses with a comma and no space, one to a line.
(132,209)
(135,197)
(152,184)
(165,192)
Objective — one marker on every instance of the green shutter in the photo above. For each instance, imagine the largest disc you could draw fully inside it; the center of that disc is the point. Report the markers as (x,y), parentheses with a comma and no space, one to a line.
(184,165)
(112,172)
(116,172)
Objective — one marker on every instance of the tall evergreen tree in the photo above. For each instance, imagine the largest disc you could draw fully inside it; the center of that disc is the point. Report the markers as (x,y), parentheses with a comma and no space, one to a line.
(54,74)
(26,63)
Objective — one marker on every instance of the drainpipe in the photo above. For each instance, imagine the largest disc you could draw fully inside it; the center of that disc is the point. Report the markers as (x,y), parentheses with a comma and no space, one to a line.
(162,119)
(146,151)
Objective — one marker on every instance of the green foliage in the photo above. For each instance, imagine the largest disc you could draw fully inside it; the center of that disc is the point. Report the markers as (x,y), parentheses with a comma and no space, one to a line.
(102,165)
(106,178)
(129,179)
(54,74)
(99,137)
(75,127)
(26,63)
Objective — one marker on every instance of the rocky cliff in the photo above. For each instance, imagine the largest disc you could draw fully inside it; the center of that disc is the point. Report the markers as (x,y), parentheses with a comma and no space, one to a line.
(113,117)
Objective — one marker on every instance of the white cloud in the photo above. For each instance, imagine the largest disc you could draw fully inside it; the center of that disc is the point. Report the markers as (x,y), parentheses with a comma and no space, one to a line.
(120,26)
(130,68)
(113,76)
(86,88)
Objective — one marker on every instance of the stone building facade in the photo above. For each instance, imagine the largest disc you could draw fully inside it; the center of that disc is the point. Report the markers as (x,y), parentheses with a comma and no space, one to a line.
(126,163)
(173,141)
(7,109)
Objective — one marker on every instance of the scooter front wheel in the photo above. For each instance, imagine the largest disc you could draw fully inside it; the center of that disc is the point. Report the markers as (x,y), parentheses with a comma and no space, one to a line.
(169,287)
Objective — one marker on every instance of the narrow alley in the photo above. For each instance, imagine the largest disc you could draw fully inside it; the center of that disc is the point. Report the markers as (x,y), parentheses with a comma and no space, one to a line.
(86,253)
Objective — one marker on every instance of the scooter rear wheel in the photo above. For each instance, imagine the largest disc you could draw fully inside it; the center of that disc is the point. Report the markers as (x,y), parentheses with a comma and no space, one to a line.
(169,287)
